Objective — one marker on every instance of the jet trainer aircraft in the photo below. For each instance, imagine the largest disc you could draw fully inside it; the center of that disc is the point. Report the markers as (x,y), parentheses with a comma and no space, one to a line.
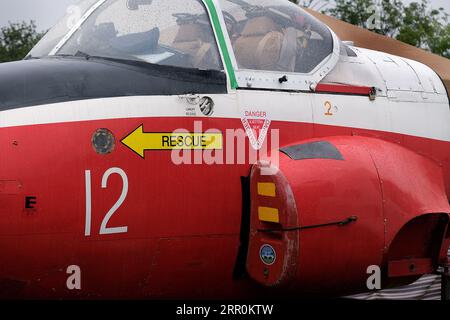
(217,149)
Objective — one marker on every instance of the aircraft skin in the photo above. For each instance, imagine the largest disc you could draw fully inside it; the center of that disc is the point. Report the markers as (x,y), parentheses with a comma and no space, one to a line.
(141,226)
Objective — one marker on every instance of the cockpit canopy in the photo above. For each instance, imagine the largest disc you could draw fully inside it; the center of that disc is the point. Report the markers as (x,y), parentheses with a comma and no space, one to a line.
(265,35)
(275,35)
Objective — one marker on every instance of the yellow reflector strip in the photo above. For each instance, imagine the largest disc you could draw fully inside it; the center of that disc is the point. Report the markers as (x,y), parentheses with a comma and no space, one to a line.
(266,189)
(268,214)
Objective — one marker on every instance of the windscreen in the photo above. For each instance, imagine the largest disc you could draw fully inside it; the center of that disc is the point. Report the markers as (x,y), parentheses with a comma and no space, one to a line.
(166,32)
(55,34)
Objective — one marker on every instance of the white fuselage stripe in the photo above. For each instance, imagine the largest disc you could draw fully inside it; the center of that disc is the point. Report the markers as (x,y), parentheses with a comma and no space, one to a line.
(428,121)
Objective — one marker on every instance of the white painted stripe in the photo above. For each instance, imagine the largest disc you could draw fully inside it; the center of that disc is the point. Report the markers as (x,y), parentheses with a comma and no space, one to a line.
(422,120)
(428,120)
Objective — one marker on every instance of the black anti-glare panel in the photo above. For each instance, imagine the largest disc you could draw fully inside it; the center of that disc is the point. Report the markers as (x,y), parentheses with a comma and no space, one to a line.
(52,80)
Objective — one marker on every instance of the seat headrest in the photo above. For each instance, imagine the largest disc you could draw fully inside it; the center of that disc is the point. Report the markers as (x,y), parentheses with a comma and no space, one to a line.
(259,26)
(189,32)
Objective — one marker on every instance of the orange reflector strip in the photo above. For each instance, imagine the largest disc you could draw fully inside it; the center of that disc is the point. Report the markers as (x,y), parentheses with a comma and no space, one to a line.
(268,214)
(266,189)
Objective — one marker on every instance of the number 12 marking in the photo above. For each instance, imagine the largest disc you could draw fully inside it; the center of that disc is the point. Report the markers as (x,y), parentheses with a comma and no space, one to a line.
(103,228)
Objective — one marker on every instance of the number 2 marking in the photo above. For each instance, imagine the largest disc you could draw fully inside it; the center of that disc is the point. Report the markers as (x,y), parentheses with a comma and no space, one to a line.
(103,228)
(328,106)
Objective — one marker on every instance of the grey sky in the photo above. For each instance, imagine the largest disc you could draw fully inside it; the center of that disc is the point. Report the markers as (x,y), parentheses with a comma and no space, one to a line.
(44,12)
(47,12)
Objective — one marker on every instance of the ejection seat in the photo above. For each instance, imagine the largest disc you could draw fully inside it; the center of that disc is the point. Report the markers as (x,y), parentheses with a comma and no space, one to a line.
(192,39)
(264,45)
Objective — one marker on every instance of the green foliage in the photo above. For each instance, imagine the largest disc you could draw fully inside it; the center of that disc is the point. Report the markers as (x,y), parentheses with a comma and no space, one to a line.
(426,28)
(17,39)
(352,11)
(382,17)
(416,23)
(390,17)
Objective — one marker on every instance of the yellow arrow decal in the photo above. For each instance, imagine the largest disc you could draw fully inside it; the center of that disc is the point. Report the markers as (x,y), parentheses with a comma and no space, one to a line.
(139,141)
